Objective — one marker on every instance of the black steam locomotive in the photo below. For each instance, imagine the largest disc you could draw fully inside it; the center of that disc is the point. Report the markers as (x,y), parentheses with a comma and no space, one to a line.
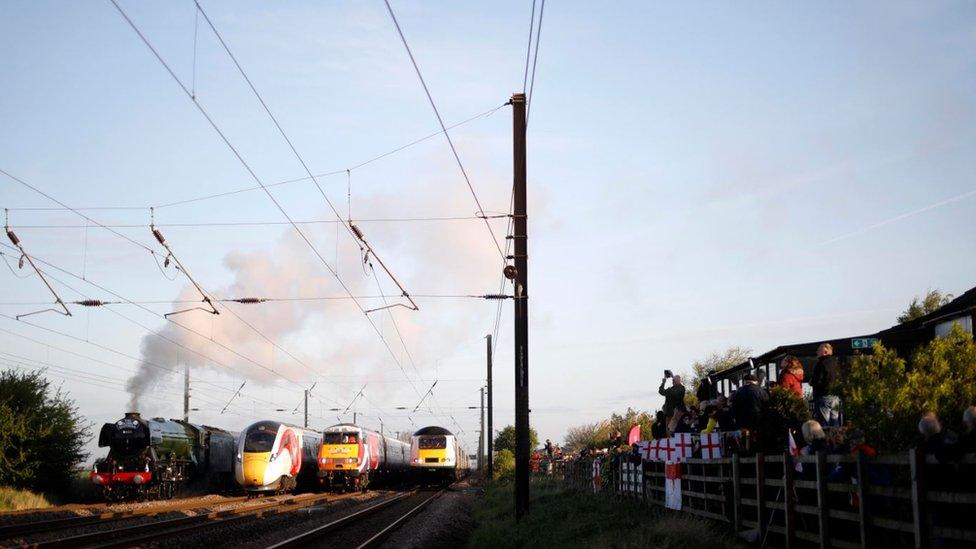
(152,459)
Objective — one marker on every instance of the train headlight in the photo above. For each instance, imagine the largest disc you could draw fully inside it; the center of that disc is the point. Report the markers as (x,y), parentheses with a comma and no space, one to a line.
(239,458)
(96,479)
(352,460)
(138,479)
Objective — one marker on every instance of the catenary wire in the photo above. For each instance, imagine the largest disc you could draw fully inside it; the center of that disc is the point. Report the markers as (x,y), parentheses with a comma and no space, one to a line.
(440,121)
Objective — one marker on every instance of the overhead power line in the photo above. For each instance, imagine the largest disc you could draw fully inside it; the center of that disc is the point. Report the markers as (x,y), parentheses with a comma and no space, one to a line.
(256,223)
(260,183)
(440,121)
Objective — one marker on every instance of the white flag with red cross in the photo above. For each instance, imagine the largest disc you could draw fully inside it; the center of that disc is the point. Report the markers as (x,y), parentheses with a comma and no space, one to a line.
(683,446)
(647,450)
(711,446)
(664,450)
(672,485)
(794,451)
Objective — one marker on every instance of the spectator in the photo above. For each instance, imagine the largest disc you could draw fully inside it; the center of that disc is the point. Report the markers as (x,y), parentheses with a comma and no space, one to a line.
(711,412)
(724,415)
(706,389)
(674,399)
(688,422)
(660,427)
(748,403)
(549,449)
(934,439)
(791,375)
(814,437)
(826,404)
(617,439)
(967,443)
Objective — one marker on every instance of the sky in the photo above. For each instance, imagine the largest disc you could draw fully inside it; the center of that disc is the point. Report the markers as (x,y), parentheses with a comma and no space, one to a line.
(700,176)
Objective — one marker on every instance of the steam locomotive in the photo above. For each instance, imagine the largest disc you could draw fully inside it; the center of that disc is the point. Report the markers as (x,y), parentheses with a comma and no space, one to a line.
(152,459)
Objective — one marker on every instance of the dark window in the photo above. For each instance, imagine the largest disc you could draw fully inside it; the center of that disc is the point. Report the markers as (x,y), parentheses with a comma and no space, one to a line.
(340,438)
(432,443)
(259,441)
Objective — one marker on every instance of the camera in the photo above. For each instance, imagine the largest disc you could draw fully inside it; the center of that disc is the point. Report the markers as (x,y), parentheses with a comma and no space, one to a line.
(667,374)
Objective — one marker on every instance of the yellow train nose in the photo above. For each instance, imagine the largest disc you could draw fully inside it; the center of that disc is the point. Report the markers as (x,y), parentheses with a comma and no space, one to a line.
(254,466)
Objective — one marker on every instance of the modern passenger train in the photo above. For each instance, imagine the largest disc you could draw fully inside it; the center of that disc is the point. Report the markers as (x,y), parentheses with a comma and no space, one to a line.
(436,456)
(276,457)
(352,457)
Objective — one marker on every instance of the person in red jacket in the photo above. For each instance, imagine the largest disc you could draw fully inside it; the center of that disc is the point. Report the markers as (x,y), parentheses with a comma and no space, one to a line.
(791,375)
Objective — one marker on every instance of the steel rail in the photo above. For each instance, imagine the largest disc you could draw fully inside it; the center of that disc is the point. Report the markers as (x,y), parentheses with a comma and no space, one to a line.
(103,517)
(135,534)
(311,536)
(384,533)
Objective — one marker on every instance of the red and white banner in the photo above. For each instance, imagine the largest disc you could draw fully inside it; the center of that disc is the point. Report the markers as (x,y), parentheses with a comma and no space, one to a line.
(711,446)
(672,485)
(794,451)
(647,450)
(683,446)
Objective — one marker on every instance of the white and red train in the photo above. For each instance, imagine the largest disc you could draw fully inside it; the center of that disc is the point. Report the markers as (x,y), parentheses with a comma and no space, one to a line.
(152,458)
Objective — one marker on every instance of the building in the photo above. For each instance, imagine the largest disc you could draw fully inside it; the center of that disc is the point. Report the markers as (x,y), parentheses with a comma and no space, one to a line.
(904,338)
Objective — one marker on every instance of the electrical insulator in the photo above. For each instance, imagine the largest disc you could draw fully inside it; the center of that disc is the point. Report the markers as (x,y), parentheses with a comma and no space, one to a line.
(13,237)
(90,303)
(250,300)
(355,229)
(159,236)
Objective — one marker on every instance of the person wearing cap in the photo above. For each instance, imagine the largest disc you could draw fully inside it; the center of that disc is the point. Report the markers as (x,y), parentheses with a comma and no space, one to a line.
(748,403)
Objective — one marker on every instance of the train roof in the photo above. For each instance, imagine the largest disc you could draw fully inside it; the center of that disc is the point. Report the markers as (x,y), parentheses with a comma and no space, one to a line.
(344,428)
(433,430)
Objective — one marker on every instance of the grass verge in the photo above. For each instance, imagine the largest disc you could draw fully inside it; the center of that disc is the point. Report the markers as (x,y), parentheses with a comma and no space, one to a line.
(13,499)
(560,517)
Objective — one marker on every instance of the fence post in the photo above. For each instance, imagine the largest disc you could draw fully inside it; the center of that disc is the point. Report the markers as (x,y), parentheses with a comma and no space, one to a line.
(916,461)
(823,513)
(862,497)
(761,493)
(736,495)
(789,519)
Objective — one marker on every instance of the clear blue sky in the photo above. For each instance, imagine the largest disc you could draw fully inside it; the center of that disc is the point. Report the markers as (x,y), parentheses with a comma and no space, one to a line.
(700,176)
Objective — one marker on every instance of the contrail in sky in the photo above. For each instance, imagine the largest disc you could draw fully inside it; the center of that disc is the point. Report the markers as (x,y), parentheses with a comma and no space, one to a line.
(873,226)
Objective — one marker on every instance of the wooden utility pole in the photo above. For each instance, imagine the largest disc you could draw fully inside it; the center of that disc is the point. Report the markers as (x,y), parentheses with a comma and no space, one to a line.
(491,432)
(521,299)
(306,409)
(481,437)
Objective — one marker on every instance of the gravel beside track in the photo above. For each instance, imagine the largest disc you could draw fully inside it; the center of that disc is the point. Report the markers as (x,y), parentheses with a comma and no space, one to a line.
(446,522)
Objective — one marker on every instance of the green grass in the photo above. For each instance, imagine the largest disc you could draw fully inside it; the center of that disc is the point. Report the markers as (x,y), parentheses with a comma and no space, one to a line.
(13,499)
(560,517)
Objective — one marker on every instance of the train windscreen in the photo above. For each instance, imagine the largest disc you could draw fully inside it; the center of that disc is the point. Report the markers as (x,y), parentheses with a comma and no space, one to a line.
(259,441)
(432,443)
(340,438)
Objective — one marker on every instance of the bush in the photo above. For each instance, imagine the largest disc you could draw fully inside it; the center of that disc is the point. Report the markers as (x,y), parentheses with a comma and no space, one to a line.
(12,499)
(786,410)
(884,397)
(504,464)
(41,433)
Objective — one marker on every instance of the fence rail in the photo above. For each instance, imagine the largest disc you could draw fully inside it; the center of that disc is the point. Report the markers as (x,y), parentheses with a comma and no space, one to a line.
(820,500)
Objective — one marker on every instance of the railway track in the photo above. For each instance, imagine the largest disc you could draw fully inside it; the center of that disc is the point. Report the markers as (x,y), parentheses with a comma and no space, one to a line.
(127,536)
(373,523)
(102,515)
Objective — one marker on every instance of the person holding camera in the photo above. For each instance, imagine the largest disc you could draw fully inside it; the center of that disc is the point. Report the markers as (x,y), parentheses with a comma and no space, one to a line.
(674,400)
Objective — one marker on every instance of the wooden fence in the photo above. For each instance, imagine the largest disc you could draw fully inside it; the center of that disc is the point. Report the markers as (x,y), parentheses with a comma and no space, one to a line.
(833,501)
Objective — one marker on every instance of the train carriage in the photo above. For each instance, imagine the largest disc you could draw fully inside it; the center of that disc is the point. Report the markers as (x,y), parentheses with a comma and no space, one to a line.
(276,457)
(352,457)
(436,456)
(152,459)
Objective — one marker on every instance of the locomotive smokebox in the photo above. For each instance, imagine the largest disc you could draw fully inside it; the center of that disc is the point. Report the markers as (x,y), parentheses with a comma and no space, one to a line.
(132,415)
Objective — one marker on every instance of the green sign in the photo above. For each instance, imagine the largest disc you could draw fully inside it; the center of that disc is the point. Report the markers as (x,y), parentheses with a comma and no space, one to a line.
(863,342)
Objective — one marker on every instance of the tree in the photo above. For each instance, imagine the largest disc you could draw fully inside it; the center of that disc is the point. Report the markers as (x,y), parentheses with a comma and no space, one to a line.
(884,397)
(917,309)
(41,433)
(733,356)
(506,439)
(504,464)
(785,411)
(597,435)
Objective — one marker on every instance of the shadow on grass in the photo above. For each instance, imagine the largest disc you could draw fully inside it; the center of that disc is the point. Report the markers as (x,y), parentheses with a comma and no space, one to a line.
(560,517)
